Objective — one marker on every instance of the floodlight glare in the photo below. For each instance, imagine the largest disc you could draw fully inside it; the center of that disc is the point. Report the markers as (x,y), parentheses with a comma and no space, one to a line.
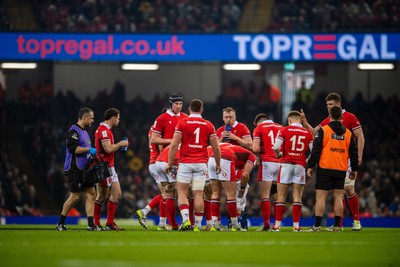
(375,66)
(18,65)
(241,66)
(139,66)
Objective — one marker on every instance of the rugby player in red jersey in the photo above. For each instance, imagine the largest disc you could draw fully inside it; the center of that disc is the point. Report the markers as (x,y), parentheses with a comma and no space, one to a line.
(291,146)
(163,131)
(193,133)
(264,135)
(104,140)
(233,158)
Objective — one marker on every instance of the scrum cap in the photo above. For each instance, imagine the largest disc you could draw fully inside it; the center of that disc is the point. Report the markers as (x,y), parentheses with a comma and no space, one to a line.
(175,98)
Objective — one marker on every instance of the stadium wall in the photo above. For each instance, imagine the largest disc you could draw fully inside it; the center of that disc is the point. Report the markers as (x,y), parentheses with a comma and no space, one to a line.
(383,222)
(207,80)
(196,80)
(200,80)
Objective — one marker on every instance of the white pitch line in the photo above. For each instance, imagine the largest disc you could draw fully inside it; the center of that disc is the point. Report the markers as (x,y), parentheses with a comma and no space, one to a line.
(102,263)
(220,243)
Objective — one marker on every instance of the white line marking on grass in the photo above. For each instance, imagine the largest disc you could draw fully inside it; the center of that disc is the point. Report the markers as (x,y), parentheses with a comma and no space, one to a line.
(220,243)
(96,263)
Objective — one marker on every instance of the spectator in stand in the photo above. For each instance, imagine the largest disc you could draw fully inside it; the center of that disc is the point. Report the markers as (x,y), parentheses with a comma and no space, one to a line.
(269,98)
(133,16)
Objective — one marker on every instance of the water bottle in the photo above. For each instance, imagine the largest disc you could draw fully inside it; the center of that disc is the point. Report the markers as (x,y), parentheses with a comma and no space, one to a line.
(124,148)
(227,129)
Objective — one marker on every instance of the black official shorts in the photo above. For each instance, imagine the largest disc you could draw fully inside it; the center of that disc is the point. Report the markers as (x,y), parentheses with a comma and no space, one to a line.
(324,182)
(75,182)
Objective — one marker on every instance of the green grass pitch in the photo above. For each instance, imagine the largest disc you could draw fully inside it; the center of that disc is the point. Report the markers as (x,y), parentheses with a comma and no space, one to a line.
(32,245)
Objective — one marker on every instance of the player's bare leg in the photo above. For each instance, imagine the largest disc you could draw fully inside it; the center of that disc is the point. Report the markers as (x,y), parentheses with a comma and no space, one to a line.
(280,205)
(101,197)
(230,191)
(183,203)
(297,205)
(207,205)
(170,200)
(354,205)
(265,189)
(115,196)
(338,208)
(215,202)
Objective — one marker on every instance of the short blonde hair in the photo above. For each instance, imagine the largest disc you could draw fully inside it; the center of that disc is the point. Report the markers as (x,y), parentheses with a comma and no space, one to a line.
(294,114)
(229,109)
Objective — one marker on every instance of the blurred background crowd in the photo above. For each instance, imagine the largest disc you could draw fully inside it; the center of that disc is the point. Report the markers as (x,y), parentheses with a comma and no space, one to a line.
(42,121)
(38,120)
(204,16)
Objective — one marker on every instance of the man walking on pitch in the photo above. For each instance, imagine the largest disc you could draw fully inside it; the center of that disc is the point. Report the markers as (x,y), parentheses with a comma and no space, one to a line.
(78,154)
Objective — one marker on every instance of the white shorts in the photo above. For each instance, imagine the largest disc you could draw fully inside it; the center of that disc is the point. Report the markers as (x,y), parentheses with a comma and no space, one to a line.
(241,202)
(152,171)
(270,171)
(113,178)
(292,174)
(161,175)
(228,172)
(194,173)
(212,172)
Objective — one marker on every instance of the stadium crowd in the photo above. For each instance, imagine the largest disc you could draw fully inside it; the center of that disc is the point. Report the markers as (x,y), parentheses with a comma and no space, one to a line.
(335,15)
(139,16)
(17,193)
(207,16)
(43,125)
(5,23)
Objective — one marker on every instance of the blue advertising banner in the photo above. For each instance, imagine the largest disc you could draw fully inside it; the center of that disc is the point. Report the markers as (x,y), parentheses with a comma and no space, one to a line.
(200,47)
